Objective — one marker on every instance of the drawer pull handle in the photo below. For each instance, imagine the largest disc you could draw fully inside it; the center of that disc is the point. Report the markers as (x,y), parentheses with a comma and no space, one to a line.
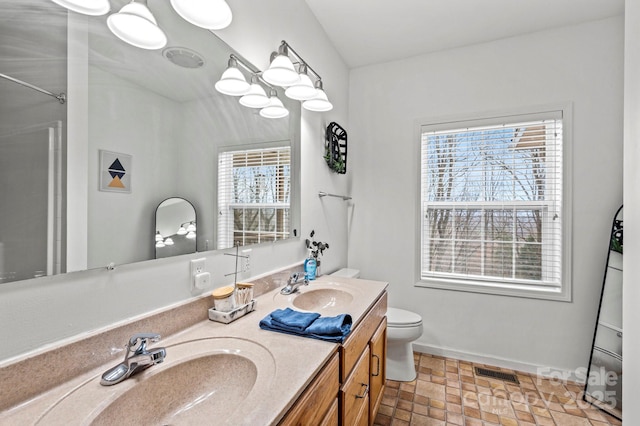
(377,373)
(366,391)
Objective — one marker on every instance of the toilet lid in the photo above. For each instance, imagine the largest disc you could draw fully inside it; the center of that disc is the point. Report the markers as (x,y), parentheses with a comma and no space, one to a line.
(401,318)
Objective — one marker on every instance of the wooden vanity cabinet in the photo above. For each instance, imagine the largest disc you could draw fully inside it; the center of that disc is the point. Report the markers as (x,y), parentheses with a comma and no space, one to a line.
(318,404)
(363,365)
(378,368)
(354,393)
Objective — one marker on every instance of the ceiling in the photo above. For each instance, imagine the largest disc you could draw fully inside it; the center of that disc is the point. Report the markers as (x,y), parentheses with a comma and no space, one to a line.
(371,31)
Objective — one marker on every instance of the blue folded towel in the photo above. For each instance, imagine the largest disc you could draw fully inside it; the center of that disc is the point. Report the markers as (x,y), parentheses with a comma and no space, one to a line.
(333,329)
(308,324)
(291,320)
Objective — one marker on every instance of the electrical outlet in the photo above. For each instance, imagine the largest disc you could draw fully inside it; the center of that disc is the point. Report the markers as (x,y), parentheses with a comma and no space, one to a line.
(245,264)
(197,267)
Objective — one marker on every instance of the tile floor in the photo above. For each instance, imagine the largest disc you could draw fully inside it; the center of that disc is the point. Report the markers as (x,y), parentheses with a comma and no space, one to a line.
(447,392)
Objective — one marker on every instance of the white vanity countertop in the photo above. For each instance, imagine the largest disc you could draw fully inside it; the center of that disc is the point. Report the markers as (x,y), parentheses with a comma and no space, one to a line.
(286,364)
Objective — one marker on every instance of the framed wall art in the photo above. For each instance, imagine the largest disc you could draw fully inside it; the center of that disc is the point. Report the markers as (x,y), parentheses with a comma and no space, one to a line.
(115,172)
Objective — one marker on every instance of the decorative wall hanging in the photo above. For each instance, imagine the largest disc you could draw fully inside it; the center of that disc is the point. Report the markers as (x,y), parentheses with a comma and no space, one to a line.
(115,172)
(336,148)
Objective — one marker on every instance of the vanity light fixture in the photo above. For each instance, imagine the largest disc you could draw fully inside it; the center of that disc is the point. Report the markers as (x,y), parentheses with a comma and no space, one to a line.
(281,71)
(232,82)
(304,88)
(168,241)
(182,230)
(136,25)
(191,227)
(159,244)
(191,235)
(86,7)
(159,236)
(256,97)
(275,109)
(320,102)
(210,14)
(315,99)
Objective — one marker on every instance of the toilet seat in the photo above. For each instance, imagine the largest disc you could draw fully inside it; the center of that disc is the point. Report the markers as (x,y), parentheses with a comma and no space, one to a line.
(400,318)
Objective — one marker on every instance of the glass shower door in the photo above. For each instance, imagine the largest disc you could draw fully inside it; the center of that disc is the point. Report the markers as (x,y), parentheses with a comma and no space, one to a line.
(31,202)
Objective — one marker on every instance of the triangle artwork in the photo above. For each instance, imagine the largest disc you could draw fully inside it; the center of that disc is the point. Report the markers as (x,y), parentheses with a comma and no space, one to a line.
(117,172)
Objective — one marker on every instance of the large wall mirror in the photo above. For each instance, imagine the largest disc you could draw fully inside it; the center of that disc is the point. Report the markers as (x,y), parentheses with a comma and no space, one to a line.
(152,117)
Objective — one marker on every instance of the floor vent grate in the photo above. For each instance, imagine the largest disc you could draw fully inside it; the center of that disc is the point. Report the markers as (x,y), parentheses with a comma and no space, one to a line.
(508,377)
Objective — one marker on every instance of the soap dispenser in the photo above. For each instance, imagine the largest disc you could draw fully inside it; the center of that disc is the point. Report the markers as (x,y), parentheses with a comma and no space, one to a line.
(310,266)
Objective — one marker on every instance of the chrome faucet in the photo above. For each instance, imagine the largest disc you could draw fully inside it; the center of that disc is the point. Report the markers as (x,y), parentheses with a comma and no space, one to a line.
(136,359)
(294,283)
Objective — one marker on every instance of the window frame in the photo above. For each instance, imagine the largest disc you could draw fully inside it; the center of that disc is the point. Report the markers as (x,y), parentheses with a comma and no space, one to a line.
(562,292)
(265,146)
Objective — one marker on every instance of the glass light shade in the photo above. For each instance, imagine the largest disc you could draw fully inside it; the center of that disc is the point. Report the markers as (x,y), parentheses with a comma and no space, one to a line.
(159,244)
(181,231)
(320,102)
(232,82)
(135,24)
(191,227)
(302,90)
(158,236)
(86,7)
(210,14)
(256,97)
(281,72)
(191,235)
(168,241)
(275,109)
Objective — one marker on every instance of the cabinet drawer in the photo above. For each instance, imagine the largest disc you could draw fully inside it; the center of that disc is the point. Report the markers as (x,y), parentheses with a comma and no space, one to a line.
(360,336)
(318,398)
(354,394)
(378,364)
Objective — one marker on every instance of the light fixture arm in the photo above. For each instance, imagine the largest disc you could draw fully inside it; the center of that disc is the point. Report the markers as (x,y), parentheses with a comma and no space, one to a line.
(248,68)
(285,48)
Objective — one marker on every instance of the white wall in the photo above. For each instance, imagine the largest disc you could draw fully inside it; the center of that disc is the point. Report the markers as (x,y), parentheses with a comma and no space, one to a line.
(39,312)
(631,268)
(582,65)
(147,127)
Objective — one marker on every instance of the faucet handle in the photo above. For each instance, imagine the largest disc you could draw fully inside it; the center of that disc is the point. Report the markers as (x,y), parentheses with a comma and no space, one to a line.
(138,343)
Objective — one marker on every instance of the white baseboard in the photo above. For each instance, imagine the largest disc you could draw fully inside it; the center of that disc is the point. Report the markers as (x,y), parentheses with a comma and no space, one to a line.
(541,370)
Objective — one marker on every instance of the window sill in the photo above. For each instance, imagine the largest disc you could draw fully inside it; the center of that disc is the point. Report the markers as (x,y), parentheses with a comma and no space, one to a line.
(499,289)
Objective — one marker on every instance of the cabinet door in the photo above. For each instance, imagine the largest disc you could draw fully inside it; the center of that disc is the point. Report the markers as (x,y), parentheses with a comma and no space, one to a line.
(317,399)
(378,364)
(354,394)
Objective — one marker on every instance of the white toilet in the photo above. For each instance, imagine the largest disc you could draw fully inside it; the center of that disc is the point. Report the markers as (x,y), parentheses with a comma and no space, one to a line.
(403,327)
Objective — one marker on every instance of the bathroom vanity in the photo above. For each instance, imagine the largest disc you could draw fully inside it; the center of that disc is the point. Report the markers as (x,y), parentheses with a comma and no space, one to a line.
(234,373)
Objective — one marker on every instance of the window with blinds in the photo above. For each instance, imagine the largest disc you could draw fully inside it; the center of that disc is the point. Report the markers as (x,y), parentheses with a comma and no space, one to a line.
(254,193)
(491,200)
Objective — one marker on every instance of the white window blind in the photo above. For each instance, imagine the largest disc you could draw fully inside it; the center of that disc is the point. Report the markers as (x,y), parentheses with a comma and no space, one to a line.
(254,190)
(492,201)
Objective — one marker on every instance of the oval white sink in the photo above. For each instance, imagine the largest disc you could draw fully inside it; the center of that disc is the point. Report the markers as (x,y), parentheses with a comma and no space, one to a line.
(201,382)
(323,298)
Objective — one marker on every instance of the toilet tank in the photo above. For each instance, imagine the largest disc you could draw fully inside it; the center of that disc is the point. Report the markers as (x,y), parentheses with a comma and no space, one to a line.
(347,273)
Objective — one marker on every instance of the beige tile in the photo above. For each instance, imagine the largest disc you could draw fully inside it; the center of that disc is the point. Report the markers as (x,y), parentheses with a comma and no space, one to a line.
(498,406)
(565,419)
(432,363)
(437,413)
(431,390)
(455,419)
(402,415)
(508,421)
